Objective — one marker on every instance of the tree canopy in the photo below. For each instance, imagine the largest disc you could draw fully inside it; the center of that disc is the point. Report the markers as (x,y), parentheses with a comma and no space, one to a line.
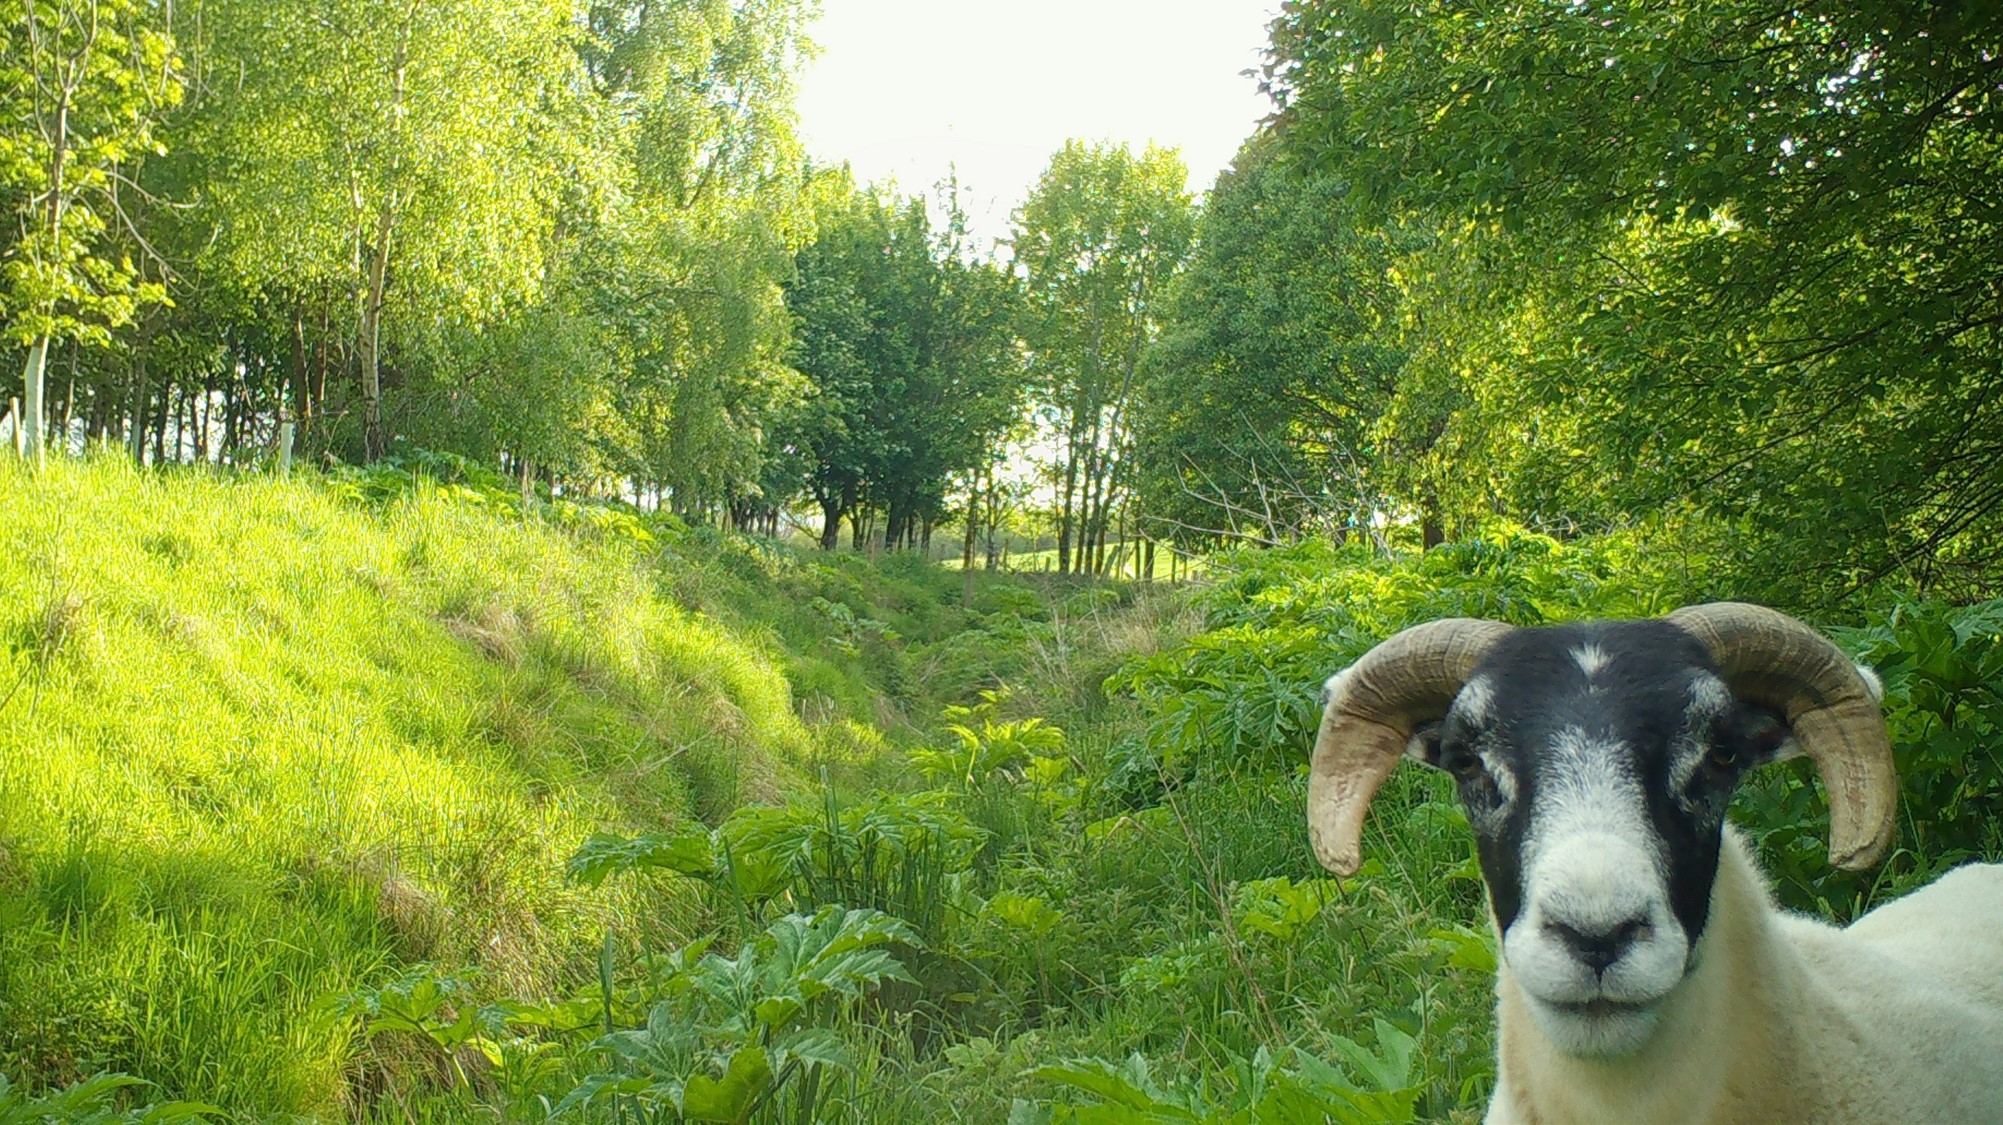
(1723,271)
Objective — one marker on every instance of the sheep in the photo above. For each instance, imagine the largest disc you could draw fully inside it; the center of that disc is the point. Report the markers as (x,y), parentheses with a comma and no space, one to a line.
(1645,974)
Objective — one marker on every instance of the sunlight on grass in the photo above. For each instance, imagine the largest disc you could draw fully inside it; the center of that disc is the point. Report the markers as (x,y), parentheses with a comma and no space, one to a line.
(258,743)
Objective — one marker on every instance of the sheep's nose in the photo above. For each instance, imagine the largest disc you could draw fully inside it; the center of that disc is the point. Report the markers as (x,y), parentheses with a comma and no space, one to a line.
(1599,946)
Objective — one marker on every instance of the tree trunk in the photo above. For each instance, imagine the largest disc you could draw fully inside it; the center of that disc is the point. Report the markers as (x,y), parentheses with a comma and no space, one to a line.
(159,423)
(1432,531)
(831,522)
(233,421)
(33,386)
(1070,488)
(69,401)
(136,411)
(98,422)
(893,526)
(973,526)
(310,407)
(370,344)
(286,412)
(203,413)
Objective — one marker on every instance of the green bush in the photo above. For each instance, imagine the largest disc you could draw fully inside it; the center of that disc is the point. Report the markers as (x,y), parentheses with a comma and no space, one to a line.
(1244,693)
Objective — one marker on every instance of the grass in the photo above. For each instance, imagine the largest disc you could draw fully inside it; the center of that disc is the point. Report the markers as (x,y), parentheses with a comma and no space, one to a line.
(258,745)
(266,744)
(263,743)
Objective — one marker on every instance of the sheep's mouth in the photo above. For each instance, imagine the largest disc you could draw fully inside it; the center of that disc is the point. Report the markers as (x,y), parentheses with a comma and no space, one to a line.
(1601,1008)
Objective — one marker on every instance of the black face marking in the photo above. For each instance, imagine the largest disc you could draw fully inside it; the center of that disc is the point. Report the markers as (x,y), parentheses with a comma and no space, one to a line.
(1645,699)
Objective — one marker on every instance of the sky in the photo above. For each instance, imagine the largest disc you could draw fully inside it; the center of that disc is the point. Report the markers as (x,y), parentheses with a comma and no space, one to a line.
(906,89)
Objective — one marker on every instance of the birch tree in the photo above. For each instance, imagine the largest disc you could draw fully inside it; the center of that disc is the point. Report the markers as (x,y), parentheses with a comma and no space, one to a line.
(1096,243)
(82,86)
(392,152)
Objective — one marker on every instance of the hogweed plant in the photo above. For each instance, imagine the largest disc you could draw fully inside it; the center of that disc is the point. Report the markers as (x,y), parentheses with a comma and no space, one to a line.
(734,1035)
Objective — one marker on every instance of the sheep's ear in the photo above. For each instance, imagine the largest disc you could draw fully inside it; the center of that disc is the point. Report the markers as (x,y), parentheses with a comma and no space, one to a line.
(1772,740)
(1424,745)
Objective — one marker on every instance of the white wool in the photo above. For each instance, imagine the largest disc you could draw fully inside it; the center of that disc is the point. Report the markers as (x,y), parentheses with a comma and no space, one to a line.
(1897,1018)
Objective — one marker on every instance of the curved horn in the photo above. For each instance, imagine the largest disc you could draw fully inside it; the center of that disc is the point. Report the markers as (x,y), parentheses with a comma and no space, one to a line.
(1372,709)
(1772,659)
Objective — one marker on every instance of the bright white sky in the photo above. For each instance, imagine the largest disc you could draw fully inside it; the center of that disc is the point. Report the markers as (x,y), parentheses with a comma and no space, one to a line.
(905,89)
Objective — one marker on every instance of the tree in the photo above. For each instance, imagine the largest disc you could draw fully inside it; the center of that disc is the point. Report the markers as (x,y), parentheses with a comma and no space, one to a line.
(1096,244)
(910,348)
(1279,355)
(709,207)
(1741,259)
(385,151)
(83,85)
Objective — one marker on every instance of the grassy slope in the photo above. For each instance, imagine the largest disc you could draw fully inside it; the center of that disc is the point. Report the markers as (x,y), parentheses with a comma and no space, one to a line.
(256,743)
(267,744)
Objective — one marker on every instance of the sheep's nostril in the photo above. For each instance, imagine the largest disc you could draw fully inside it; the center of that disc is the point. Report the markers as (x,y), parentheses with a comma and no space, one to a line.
(1599,947)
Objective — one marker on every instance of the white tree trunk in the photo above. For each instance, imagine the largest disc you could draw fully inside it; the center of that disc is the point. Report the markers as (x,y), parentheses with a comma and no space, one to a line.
(31,410)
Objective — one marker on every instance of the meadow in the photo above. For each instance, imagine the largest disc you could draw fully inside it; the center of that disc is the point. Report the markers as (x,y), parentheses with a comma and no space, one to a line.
(386,796)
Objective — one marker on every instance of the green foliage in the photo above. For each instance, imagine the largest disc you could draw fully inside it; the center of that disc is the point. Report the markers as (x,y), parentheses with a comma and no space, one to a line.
(442,1012)
(1723,256)
(1096,243)
(1277,357)
(1282,621)
(1025,747)
(908,345)
(733,1032)
(1258,1091)
(1279,907)
(893,853)
(1064,900)
(83,87)
(262,746)
(1942,668)
(456,479)
(93,1101)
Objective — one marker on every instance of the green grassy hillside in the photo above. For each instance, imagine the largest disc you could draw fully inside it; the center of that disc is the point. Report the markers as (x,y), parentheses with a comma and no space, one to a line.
(258,742)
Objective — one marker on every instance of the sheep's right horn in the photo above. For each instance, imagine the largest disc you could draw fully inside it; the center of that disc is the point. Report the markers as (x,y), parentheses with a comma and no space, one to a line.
(1773,659)
(1373,707)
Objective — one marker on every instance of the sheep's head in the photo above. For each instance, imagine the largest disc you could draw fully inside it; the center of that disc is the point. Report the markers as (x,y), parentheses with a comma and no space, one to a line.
(1595,762)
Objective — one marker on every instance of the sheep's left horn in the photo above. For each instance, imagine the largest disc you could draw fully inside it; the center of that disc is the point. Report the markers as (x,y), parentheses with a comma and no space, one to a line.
(1770,658)
(1373,707)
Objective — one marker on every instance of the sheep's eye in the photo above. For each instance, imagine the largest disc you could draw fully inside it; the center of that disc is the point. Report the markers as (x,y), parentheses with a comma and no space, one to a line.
(1467,767)
(1724,756)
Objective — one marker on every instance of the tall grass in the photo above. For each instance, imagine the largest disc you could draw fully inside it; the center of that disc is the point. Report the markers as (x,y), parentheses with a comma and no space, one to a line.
(258,743)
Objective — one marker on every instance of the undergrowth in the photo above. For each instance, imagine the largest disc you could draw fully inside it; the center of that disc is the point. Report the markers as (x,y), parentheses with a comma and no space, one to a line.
(414,799)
